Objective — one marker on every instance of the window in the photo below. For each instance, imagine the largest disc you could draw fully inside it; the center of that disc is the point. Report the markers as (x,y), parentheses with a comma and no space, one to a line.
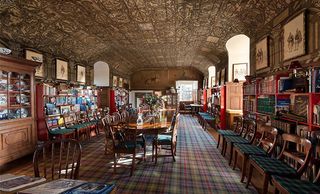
(187,90)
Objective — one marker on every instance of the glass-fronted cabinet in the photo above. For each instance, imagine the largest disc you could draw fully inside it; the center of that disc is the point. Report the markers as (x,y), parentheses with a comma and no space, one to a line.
(17,120)
(15,95)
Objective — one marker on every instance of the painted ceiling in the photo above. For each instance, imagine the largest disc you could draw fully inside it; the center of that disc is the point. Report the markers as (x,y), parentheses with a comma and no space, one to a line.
(135,34)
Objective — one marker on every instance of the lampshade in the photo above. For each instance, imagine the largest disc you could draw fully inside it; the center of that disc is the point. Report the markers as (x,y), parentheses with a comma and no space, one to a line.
(294,65)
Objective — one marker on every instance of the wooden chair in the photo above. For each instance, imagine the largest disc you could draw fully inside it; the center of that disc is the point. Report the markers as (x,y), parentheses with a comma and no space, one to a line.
(58,130)
(238,128)
(265,147)
(272,166)
(94,120)
(288,185)
(249,133)
(126,146)
(71,122)
(169,139)
(106,122)
(82,119)
(57,159)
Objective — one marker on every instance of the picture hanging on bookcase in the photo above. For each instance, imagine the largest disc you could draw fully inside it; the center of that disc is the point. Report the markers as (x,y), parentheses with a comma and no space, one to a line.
(81,74)
(262,54)
(294,37)
(239,71)
(37,57)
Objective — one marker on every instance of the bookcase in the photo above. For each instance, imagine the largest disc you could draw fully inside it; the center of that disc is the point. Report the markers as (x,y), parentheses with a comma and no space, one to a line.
(219,106)
(171,101)
(18,133)
(287,102)
(53,101)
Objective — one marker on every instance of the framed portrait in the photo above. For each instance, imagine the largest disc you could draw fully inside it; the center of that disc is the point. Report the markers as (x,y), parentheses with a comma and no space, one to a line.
(81,74)
(120,84)
(218,78)
(114,81)
(61,69)
(262,54)
(38,57)
(223,76)
(294,37)
(239,71)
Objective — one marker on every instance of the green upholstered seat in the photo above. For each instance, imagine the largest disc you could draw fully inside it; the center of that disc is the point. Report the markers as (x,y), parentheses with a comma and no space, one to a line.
(227,133)
(61,131)
(297,185)
(77,126)
(164,138)
(236,139)
(250,149)
(273,166)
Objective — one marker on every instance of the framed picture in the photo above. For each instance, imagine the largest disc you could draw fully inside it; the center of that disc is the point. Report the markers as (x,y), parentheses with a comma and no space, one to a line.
(213,81)
(262,54)
(81,74)
(218,78)
(120,82)
(239,71)
(65,109)
(223,76)
(294,37)
(38,57)
(61,69)
(115,81)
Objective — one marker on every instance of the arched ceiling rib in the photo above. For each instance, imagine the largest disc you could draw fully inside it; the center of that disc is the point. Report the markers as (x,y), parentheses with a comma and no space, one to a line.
(131,34)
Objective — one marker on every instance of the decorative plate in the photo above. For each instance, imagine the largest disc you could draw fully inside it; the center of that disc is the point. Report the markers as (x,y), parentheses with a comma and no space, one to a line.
(23,112)
(22,99)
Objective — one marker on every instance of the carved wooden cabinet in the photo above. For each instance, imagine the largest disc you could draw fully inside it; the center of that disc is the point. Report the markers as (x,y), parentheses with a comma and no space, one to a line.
(234,96)
(17,116)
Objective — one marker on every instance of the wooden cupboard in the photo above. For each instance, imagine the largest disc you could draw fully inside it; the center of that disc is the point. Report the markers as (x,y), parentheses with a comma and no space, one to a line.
(17,111)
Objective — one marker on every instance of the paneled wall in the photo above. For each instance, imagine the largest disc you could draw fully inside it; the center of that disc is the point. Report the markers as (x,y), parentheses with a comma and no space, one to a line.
(162,78)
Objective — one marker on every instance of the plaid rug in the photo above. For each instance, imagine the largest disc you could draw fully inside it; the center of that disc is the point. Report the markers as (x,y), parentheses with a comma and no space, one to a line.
(199,166)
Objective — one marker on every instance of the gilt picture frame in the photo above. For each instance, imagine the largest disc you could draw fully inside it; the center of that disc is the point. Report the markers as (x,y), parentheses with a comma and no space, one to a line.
(61,69)
(120,84)
(262,54)
(294,41)
(37,57)
(115,81)
(81,74)
(239,71)
(218,78)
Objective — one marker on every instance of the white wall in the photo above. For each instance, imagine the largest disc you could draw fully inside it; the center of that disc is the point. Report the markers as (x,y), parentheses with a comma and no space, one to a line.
(238,52)
(101,74)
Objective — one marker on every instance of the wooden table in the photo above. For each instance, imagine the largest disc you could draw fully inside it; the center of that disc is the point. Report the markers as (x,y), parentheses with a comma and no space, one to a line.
(195,108)
(150,128)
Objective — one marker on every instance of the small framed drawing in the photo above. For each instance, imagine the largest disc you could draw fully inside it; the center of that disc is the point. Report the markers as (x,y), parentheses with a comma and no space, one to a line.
(120,82)
(114,81)
(218,78)
(81,74)
(223,76)
(294,37)
(262,54)
(65,110)
(61,69)
(213,81)
(239,71)
(38,57)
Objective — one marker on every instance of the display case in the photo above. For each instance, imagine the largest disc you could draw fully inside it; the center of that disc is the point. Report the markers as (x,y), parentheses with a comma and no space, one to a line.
(171,101)
(17,118)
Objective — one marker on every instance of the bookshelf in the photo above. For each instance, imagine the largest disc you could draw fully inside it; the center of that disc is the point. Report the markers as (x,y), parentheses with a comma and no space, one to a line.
(219,106)
(55,101)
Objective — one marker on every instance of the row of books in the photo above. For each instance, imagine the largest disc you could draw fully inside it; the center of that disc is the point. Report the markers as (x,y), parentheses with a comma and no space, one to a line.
(249,89)
(249,105)
(285,126)
(266,104)
(49,90)
(315,80)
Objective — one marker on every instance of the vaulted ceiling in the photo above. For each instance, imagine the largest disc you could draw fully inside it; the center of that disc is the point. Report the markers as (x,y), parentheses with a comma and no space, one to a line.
(134,34)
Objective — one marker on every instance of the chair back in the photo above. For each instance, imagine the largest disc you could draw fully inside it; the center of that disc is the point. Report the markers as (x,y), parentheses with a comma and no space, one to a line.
(238,128)
(317,158)
(249,130)
(125,115)
(268,138)
(92,115)
(57,159)
(175,129)
(301,155)
(116,117)
(109,129)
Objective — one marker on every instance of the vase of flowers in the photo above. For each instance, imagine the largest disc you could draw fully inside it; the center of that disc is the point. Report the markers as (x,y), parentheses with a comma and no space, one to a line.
(154,102)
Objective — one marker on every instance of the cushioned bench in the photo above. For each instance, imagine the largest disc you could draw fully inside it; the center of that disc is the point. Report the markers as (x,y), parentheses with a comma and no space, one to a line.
(206,119)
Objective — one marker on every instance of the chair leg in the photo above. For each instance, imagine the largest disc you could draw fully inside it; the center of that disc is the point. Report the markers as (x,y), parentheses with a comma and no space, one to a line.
(235,159)
(156,155)
(115,163)
(152,151)
(223,145)
(265,184)
(249,175)
(218,141)
(244,167)
(133,163)
(231,153)
(276,191)
(144,152)
(172,152)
